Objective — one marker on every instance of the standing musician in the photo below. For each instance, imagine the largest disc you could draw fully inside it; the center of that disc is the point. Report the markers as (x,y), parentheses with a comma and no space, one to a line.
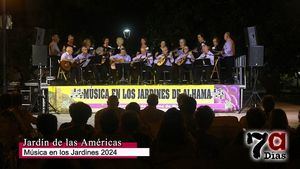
(54,53)
(185,62)
(140,62)
(144,43)
(116,61)
(164,62)
(70,42)
(216,48)
(88,44)
(201,42)
(102,62)
(227,59)
(120,45)
(206,60)
(83,60)
(66,62)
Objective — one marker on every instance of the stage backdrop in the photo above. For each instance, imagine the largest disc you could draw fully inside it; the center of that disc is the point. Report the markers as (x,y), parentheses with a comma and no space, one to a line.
(222,98)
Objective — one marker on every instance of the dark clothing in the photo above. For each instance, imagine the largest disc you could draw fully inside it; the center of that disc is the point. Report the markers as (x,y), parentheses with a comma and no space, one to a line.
(74,132)
(227,65)
(182,72)
(161,69)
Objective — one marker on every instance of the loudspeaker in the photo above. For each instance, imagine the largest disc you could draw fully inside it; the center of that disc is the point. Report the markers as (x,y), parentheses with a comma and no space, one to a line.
(251,36)
(39,55)
(40,35)
(256,56)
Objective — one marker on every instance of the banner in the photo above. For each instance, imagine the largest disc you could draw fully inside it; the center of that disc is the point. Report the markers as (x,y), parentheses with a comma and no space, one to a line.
(222,98)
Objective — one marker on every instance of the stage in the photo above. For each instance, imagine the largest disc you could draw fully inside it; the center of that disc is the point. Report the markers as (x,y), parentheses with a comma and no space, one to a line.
(221,98)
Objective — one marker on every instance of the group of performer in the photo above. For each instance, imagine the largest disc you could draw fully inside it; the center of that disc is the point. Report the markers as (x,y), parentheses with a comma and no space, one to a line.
(107,64)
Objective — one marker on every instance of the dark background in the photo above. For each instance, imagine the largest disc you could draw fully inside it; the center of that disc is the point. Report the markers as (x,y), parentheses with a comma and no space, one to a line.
(277,21)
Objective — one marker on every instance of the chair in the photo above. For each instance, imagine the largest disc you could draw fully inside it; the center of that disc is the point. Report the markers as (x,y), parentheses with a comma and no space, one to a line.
(190,74)
(61,73)
(216,70)
(165,73)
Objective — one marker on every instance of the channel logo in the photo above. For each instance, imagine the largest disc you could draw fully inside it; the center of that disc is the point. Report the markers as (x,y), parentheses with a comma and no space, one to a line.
(269,146)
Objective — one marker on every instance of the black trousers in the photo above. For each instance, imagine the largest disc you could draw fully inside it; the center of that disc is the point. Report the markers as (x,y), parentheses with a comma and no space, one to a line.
(122,69)
(182,69)
(227,64)
(101,72)
(75,74)
(202,74)
(159,72)
(53,62)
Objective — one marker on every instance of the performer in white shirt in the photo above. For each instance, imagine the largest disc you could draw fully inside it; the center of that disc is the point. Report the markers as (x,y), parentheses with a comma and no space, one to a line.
(163,62)
(227,60)
(185,63)
(203,71)
(116,67)
(54,53)
(140,62)
(74,72)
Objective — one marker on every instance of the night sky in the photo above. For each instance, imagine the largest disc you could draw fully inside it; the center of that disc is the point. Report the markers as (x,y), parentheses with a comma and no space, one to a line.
(277,21)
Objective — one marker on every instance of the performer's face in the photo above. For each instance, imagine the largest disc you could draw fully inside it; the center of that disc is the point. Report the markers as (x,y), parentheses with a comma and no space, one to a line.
(71,39)
(143,41)
(123,52)
(69,50)
(200,38)
(181,43)
(205,49)
(106,41)
(215,42)
(84,50)
(165,50)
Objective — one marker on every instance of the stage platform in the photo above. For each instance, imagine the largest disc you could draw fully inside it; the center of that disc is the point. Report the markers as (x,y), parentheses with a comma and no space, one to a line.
(221,98)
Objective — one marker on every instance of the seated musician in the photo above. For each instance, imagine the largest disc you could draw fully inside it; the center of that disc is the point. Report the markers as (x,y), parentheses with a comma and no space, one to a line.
(140,62)
(204,65)
(164,62)
(159,50)
(176,53)
(185,62)
(68,59)
(83,60)
(120,71)
(101,61)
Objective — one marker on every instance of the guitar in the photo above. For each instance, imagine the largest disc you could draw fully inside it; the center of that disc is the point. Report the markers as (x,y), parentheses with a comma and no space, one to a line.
(183,59)
(161,61)
(66,65)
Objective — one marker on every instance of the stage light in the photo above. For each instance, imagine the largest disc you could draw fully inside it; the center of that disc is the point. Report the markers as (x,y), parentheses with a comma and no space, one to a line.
(126,33)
